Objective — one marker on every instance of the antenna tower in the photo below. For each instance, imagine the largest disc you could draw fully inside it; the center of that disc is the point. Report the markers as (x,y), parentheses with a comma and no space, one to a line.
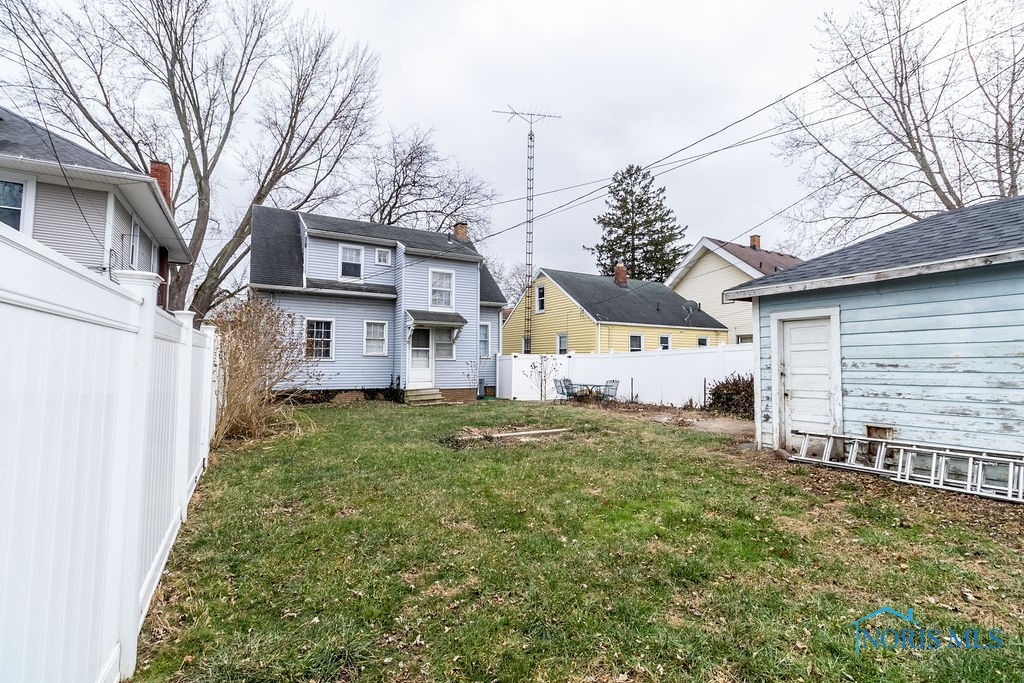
(530,118)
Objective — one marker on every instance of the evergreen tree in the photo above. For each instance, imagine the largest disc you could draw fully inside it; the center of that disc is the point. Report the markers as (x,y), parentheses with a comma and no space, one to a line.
(638,230)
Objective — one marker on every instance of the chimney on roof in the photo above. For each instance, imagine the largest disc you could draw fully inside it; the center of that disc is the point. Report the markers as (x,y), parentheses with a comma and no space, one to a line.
(620,274)
(461,231)
(161,170)
(755,241)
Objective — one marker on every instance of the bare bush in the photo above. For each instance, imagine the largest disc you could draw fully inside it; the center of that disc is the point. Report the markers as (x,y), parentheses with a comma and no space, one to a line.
(261,350)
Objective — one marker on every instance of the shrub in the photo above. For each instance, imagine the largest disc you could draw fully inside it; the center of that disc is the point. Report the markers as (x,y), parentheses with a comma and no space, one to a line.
(734,395)
(260,349)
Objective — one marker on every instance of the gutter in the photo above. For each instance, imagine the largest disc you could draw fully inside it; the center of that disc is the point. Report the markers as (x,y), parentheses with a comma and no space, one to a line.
(286,289)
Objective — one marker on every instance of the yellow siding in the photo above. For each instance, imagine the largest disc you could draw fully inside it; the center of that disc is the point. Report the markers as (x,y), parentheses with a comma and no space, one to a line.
(705,282)
(562,316)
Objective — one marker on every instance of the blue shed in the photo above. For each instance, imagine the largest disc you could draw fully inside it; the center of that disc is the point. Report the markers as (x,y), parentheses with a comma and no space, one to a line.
(915,335)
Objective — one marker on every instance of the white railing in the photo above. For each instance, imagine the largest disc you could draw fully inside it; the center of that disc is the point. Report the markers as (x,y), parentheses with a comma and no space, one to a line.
(104,425)
(674,377)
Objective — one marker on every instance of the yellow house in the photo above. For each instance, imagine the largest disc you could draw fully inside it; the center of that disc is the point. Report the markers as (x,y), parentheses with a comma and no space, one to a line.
(582,313)
(713,266)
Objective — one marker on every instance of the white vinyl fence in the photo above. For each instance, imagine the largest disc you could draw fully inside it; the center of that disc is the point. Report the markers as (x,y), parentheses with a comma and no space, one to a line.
(105,420)
(674,377)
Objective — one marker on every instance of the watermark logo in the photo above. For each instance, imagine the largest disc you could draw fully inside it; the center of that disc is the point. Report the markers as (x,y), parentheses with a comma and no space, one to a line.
(914,636)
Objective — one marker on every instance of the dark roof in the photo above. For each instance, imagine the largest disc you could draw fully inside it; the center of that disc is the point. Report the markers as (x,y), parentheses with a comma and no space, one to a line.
(276,254)
(316,283)
(416,239)
(436,317)
(20,137)
(974,230)
(639,302)
(490,292)
(764,261)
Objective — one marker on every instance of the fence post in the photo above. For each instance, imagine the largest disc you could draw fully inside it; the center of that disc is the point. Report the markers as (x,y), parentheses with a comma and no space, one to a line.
(183,411)
(210,392)
(133,413)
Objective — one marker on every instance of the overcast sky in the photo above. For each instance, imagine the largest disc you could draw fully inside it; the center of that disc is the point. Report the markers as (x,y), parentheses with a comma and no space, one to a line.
(633,82)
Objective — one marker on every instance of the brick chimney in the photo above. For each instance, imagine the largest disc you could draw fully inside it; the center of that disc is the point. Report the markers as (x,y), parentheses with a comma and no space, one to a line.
(620,274)
(755,241)
(161,170)
(461,231)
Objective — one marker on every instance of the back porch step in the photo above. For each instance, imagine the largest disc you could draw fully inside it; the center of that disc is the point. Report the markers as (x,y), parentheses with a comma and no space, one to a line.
(424,397)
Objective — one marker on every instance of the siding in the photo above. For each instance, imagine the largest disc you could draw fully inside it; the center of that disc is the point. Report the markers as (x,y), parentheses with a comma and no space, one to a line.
(705,282)
(489,366)
(939,358)
(616,337)
(322,261)
(59,222)
(121,237)
(144,253)
(350,369)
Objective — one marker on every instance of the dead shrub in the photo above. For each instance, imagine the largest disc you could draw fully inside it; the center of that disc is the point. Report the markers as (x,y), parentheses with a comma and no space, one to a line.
(734,395)
(261,349)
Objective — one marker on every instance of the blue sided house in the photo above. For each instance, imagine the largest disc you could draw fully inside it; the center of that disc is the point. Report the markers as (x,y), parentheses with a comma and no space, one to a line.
(380,305)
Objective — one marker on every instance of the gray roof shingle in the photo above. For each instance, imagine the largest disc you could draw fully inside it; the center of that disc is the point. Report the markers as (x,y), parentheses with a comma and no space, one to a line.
(436,317)
(762,260)
(276,252)
(415,239)
(639,302)
(490,291)
(974,230)
(20,137)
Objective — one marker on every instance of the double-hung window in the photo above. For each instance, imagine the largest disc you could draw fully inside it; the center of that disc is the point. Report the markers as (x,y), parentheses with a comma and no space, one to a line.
(382,257)
(444,343)
(319,339)
(665,342)
(563,344)
(485,340)
(12,197)
(636,342)
(375,338)
(442,289)
(350,263)
(540,298)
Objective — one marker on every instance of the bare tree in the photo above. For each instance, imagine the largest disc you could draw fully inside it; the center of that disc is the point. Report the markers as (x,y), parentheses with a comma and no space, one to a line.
(920,116)
(179,80)
(410,184)
(512,278)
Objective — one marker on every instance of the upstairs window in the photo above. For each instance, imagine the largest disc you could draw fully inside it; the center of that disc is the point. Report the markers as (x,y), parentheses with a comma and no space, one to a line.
(319,339)
(540,298)
(636,342)
(442,289)
(351,265)
(383,257)
(11,198)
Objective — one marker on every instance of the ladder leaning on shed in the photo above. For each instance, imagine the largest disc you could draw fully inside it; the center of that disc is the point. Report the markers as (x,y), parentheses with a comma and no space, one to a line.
(988,473)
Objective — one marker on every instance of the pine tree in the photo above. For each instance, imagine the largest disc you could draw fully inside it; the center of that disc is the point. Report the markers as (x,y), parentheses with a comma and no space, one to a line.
(638,230)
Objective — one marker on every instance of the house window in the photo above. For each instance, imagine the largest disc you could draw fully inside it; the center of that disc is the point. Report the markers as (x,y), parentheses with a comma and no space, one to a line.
(485,340)
(350,262)
(11,200)
(665,342)
(744,339)
(383,257)
(702,341)
(319,339)
(636,342)
(442,289)
(562,344)
(444,344)
(540,298)
(375,338)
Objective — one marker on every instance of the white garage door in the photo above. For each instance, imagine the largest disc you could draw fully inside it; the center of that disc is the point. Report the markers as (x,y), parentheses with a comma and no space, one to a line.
(805,371)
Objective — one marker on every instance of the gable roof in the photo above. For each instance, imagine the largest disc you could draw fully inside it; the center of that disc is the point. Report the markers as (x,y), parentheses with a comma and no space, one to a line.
(753,262)
(638,303)
(276,257)
(963,238)
(22,138)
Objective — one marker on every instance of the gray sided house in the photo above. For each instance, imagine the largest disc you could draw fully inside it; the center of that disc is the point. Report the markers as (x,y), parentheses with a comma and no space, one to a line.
(915,335)
(97,213)
(381,305)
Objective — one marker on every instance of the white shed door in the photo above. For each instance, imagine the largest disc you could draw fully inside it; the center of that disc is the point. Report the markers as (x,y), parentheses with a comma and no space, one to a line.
(806,378)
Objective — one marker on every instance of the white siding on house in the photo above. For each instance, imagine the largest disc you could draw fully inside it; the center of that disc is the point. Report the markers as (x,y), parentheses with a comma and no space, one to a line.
(144,252)
(939,358)
(121,238)
(705,282)
(74,229)
(488,366)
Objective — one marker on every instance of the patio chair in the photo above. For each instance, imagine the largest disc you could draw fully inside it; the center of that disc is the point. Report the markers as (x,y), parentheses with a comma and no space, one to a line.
(565,388)
(610,391)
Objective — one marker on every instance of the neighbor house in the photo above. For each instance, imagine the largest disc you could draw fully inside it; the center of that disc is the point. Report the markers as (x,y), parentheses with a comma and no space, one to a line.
(100,214)
(713,266)
(583,313)
(914,335)
(382,306)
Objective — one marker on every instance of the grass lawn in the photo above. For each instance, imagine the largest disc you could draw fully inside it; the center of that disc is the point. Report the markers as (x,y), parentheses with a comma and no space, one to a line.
(627,551)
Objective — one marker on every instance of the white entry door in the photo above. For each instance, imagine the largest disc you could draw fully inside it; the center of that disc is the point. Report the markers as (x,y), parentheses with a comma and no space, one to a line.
(806,378)
(421,361)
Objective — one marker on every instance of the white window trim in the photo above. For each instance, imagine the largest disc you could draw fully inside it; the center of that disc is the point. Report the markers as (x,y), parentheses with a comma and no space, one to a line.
(433,344)
(305,332)
(707,342)
(28,199)
(362,265)
(430,289)
(365,338)
(537,298)
(629,341)
(489,331)
(558,337)
(387,257)
(669,341)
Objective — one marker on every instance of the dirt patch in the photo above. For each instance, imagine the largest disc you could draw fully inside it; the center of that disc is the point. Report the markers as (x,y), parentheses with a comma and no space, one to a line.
(687,418)
(509,434)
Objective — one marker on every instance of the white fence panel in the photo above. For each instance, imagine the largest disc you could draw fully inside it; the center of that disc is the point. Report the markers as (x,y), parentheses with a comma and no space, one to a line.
(91,492)
(674,377)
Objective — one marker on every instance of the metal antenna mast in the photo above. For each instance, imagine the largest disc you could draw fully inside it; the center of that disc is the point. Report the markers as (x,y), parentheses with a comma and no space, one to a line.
(530,118)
